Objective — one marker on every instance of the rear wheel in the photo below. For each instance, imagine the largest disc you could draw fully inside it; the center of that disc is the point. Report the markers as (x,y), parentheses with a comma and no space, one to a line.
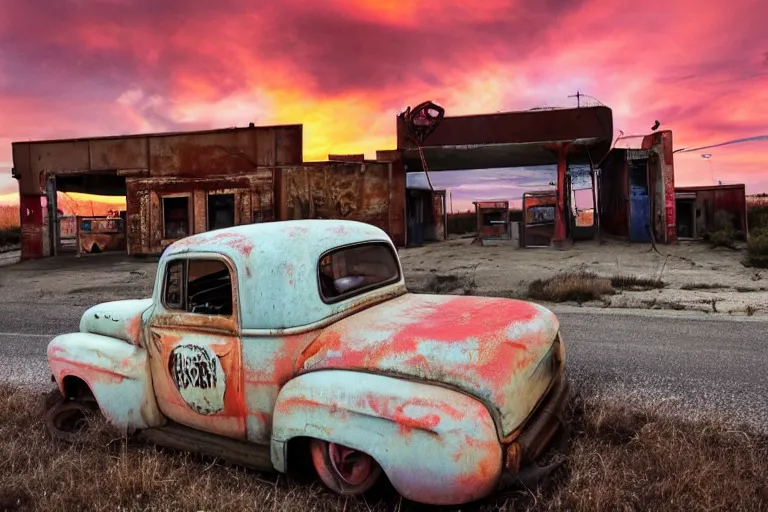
(344,470)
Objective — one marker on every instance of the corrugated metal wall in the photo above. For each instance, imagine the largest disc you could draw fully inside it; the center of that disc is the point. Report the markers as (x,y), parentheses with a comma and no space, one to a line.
(729,200)
(366,192)
(614,194)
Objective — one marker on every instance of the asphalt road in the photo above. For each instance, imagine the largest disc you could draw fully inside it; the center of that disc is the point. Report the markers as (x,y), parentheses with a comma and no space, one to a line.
(682,362)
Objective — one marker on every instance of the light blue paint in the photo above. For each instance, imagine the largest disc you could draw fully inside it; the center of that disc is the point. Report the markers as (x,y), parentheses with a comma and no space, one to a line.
(114,318)
(271,297)
(450,353)
(259,355)
(117,373)
(456,461)
(512,400)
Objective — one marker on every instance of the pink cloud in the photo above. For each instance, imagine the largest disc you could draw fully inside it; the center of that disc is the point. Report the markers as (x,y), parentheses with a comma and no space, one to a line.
(344,68)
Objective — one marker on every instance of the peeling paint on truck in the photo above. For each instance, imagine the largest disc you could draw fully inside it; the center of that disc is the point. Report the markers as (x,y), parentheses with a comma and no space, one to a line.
(443,394)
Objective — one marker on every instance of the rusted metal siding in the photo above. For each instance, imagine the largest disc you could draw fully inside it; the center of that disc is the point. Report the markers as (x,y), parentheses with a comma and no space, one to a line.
(614,194)
(189,154)
(389,155)
(145,206)
(496,230)
(538,229)
(517,127)
(349,191)
(730,200)
(203,155)
(32,214)
(664,187)
(397,216)
(121,154)
(359,158)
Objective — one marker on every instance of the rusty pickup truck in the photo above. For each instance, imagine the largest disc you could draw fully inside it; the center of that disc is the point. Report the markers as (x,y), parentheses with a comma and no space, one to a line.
(302,334)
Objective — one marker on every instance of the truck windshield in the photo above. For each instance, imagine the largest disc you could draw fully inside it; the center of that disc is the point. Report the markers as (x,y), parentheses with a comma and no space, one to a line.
(350,271)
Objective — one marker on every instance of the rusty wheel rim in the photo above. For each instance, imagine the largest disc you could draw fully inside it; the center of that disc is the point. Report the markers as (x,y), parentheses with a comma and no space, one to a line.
(351,466)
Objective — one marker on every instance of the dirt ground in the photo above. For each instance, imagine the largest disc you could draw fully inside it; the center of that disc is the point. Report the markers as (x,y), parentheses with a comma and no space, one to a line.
(693,274)
(481,270)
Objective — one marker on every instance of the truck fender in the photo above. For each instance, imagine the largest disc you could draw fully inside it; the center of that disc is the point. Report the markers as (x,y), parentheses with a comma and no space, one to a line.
(116,372)
(435,444)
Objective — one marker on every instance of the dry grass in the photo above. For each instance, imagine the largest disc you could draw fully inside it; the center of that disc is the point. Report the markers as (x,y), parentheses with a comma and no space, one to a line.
(703,286)
(567,287)
(9,216)
(634,283)
(618,459)
(450,283)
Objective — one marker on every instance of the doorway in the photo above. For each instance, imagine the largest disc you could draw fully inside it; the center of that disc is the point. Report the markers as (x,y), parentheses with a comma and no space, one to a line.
(639,202)
(686,218)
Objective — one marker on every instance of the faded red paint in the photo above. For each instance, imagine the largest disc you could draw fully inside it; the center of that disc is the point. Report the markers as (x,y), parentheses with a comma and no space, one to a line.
(134,328)
(230,421)
(493,345)
(289,404)
(338,230)
(296,231)
(455,321)
(31,227)
(240,243)
(87,372)
(486,470)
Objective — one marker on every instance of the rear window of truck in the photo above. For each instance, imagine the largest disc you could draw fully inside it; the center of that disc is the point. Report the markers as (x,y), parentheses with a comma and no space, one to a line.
(355,269)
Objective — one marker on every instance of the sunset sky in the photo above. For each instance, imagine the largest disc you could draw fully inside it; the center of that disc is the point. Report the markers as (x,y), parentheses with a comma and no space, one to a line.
(345,68)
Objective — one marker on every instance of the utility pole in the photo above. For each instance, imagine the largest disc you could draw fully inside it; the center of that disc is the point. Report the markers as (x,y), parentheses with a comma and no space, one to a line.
(578,96)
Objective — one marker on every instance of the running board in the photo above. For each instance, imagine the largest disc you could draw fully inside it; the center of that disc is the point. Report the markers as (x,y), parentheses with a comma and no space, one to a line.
(181,438)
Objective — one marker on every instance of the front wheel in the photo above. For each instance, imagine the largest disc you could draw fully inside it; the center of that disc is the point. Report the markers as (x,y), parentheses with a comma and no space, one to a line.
(68,420)
(344,470)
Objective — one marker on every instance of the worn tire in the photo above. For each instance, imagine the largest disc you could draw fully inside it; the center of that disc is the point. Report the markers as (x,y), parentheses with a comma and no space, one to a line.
(367,469)
(68,421)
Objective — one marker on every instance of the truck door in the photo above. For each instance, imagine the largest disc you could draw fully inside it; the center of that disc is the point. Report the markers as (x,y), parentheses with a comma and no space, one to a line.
(195,347)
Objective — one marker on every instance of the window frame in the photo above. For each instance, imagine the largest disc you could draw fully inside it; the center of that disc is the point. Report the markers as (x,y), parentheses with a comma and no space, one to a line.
(185,260)
(183,285)
(358,291)
(208,196)
(190,209)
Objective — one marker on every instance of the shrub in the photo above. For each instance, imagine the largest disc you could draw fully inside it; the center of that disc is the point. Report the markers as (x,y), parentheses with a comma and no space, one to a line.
(723,238)
(578,287)
(10,236)
(757,248)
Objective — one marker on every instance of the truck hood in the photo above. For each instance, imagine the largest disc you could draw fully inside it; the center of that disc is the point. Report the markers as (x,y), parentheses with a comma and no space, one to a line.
(118,319)
(498,350)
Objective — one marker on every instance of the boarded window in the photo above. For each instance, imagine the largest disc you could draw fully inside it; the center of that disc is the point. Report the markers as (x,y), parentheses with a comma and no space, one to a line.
(199,286)
(176,217)
(221,211)
(353,270)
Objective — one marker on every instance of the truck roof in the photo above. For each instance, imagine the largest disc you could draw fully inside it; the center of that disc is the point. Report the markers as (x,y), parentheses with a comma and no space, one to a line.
(276,265)
(316,235)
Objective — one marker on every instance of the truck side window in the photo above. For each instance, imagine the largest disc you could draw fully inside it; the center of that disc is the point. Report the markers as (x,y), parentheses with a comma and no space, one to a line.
(352,270)
(198,286)
(209,288)
(174,279)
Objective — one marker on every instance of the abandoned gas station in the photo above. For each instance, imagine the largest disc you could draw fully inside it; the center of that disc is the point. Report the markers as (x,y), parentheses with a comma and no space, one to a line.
(178,184)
